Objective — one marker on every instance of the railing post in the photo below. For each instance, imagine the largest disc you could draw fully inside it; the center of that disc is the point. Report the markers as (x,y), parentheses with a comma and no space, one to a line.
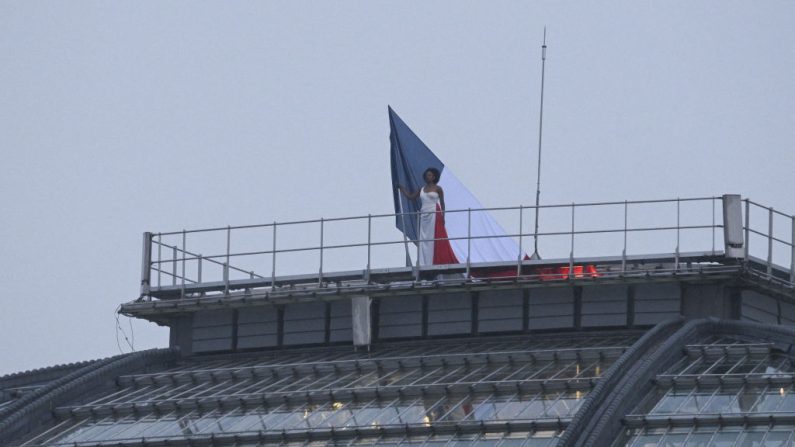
(199,270)
(273,259)
(369,245)
(174,265)
(770,241)
(226,278)
(159,258)
(747,240)
(320,272)
(521,231)
(571,252)
(146,264)
(676,257)
(713,226)
(184,255)
(624,251)
(419,243)
(792,254)
(228,242)
(469,240)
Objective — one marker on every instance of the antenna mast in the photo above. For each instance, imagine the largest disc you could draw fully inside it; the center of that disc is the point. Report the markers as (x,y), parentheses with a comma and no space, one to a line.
(540,128)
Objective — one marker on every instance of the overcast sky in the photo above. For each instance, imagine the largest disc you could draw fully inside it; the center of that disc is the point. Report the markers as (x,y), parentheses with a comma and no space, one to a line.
(123,117)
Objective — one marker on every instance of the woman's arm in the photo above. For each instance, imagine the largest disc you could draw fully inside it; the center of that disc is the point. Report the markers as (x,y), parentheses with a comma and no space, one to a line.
(441,201)
(410,195)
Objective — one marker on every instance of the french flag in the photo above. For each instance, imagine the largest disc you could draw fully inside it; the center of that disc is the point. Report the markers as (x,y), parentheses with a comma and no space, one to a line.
(410,157)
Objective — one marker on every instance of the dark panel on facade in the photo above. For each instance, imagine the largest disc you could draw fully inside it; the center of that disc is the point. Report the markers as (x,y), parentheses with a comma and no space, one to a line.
(787,313)
(400,317)
(257,328)
(551,308)
(304,323)
(181,335)
(604,306)
(500,311)
(449,314)
(213,330)
(340,321)
(759,308)
(654,303)
(706,300)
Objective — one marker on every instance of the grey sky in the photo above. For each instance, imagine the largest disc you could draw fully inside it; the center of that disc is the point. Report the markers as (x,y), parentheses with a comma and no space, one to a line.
(122,117)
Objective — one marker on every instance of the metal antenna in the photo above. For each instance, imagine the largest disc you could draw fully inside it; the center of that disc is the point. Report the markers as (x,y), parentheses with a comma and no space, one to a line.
(540,127)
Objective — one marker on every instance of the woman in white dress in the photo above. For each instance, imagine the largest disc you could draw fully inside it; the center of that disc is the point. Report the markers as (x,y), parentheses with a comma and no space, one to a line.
(434,246)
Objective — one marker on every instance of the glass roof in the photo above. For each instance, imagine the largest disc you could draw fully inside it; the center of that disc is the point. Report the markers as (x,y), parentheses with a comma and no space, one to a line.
(776,436)
(721,392)
(388,396)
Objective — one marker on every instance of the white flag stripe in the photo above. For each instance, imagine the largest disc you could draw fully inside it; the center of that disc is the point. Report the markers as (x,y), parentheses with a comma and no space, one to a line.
(458,197)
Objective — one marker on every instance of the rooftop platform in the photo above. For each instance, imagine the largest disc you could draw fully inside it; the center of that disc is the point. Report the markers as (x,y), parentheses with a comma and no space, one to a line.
(724,258)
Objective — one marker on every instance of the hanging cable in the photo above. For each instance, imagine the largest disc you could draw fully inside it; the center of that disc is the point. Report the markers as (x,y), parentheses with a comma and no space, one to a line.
(124,334)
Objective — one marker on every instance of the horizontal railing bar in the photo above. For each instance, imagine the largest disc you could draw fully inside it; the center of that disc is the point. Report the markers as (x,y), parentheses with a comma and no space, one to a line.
(529,207)
(763,262)
(175,276)
(628,202)
(568,233)
(767,208)
(206,230)
(196,256)
(766,236)
(621,230)
(396,242)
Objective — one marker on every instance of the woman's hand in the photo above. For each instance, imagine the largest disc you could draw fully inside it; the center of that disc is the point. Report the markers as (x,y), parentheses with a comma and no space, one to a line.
(408,194)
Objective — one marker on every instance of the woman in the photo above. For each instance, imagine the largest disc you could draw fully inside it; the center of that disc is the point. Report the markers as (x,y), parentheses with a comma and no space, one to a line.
(433,243)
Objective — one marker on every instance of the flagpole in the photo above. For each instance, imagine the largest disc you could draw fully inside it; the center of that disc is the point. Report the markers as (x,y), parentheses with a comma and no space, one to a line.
(540,128)
(405,239)
(400,199)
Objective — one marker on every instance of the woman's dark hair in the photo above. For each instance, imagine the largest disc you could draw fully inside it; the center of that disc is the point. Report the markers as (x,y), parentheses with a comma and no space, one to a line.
(435,172)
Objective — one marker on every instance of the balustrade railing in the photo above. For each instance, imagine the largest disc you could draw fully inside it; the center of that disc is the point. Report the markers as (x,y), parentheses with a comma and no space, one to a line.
(315,249)
(775,241)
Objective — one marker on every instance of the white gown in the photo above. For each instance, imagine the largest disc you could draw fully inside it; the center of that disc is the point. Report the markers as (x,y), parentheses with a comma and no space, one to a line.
(427,218)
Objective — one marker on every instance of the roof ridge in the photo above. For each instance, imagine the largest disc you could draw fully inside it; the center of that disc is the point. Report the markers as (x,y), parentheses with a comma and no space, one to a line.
(14,416)
(49,369)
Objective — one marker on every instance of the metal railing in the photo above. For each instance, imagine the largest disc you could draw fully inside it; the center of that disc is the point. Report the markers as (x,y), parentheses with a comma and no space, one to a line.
(262,253)
(776,249)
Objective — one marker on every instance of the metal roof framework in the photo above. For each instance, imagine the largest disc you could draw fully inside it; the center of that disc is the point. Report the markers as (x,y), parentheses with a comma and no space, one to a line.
(487,389)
